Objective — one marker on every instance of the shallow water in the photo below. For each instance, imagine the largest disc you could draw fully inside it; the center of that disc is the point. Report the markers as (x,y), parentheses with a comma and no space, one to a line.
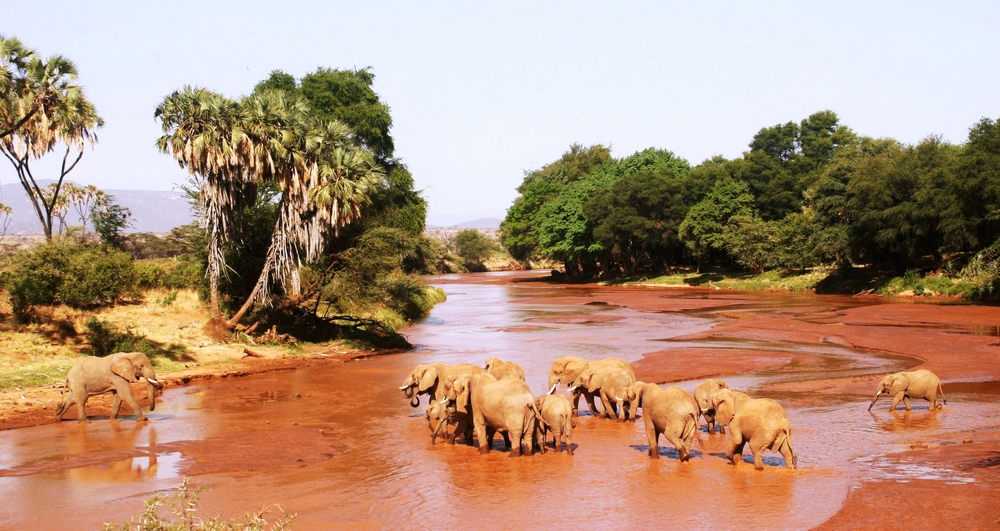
(338,444)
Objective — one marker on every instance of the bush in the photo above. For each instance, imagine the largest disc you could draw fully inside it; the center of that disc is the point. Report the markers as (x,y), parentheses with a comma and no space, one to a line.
(184,506)
(106,339)
(63,272)
(149,276)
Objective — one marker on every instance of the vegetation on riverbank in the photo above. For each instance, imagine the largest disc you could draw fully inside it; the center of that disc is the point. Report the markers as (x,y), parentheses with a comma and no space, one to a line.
(806,195)
(311,229)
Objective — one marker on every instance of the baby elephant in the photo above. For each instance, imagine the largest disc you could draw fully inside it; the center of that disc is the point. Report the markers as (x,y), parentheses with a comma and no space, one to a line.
(920,383)
(94,376)
(762,423)
(556,415)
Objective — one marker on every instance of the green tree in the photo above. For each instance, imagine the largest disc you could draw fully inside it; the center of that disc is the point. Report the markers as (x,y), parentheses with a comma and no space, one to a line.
(564,231)
(704,227)
(517,232)
(474,248)
(978,168)
(110,222)
(753,242)
(637,218)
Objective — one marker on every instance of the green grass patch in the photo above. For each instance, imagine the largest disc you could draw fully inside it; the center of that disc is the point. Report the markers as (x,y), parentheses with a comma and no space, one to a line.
(43,370)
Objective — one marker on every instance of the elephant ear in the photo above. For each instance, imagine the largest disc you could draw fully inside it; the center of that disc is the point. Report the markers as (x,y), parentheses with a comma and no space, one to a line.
(595,382)
(898,383)
(427,379)
(462,394)
(123,367)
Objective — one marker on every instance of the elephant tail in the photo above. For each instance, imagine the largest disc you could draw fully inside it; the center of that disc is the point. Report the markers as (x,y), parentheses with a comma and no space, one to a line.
(944,401)
(534,409)
(691,430)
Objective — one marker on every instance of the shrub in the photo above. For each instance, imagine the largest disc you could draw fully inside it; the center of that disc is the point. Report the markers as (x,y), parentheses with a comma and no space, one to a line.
(184,506)
(148,275)
(69,273)
(106,339)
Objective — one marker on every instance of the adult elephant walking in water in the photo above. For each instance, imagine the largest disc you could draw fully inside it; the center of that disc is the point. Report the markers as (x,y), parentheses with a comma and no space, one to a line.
(505,405)
(115,373)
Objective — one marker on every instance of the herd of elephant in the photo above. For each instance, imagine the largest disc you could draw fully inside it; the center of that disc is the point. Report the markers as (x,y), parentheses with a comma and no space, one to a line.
(469,400)
(495,398)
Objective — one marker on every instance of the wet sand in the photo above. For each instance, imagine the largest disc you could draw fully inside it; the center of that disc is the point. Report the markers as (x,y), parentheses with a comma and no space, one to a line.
(337,444)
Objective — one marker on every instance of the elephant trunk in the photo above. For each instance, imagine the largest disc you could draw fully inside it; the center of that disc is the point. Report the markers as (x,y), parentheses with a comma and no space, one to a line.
(407,390)
(152,394)
(873,400)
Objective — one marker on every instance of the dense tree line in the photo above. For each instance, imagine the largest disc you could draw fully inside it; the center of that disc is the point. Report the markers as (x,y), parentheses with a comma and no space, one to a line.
(804,194)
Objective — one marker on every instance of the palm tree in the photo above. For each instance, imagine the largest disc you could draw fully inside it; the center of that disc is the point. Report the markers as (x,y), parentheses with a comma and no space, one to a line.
(323,177)
(201,132)
(58,113)
(31,88)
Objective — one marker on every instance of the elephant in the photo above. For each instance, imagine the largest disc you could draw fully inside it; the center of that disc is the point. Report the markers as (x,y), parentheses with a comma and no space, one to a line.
(703,394)
(115,373)
(671,411)
(726,403)
(761,422)
(503,369)
(567,369)
(440,412)
(429,380)
(504,405)
(608,382)
(920,383)
(555,415)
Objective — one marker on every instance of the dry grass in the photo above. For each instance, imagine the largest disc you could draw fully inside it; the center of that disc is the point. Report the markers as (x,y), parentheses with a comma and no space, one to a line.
(170,321)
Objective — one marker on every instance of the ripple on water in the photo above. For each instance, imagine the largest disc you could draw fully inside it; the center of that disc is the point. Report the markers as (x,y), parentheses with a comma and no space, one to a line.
(883,468)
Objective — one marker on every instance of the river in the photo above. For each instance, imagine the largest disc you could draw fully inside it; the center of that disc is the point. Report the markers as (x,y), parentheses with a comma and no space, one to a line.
(338,445)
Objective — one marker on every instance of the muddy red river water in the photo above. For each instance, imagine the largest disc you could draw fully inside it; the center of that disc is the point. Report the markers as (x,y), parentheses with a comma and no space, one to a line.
(339,446)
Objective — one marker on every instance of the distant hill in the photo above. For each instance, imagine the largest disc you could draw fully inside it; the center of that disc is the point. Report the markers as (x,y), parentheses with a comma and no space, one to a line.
(481,223)
(152,211)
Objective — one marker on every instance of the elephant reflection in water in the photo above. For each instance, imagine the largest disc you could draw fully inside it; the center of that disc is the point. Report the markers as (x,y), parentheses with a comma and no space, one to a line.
(127,470)
(907,420)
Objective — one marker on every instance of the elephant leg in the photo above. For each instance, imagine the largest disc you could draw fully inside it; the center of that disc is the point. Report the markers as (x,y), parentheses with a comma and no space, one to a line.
(569,441)
(81,407)
(506,440)
(758,459)
(116,404)
(896,400)
(736,444)
(652,436)
(678,443)
(490,434)
(786,451)
(484,439)
(126,395)
(906,403)
(711,424)
(590,402)
(609,409)
(515,437)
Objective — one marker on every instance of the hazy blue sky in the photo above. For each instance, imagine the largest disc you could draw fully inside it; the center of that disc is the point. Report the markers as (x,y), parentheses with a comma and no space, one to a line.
(482,92)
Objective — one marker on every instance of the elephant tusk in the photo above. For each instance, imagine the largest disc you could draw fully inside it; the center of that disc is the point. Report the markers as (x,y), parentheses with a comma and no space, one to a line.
(553,390)
(444,400)
(153,381)
(571,389)
(619,399)
(704,409)
(404,387)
